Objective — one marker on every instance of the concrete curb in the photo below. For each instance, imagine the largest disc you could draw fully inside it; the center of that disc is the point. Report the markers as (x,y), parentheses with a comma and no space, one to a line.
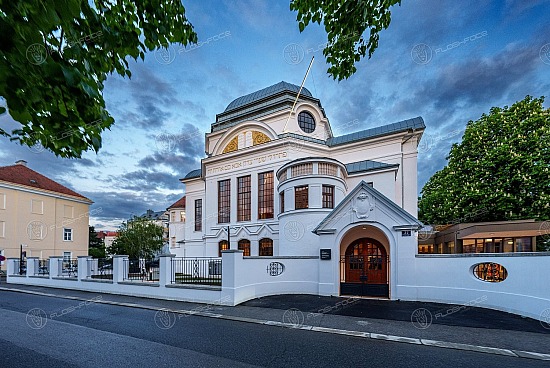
(361,334)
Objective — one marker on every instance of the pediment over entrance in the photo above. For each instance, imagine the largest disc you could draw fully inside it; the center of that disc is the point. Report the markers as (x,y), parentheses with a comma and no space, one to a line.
(366,204)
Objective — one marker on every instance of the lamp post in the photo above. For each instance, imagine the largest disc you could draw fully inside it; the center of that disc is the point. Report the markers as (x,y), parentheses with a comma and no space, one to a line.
(21,258)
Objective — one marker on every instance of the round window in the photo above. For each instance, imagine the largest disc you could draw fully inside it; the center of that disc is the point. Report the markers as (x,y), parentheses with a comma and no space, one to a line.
(306,122)
(490,272)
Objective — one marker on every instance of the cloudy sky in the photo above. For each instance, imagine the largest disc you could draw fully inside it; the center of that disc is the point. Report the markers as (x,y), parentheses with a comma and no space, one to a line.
(447,61)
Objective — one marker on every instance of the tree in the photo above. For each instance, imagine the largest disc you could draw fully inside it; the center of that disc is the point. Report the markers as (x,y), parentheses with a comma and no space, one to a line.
(138,238)
(345,23)
(96,246)
(499,171)
(56,54)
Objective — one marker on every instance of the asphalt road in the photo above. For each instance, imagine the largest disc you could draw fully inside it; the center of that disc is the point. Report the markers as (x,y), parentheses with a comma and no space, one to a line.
(86,334)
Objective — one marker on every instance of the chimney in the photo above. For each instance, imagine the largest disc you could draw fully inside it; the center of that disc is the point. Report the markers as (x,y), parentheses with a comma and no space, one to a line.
(21,162)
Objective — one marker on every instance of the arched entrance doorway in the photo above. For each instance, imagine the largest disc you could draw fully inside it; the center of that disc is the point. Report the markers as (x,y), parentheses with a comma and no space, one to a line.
(364,269)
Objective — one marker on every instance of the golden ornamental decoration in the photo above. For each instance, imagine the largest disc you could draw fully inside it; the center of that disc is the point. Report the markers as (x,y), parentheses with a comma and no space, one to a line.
(259,138)
(233,145)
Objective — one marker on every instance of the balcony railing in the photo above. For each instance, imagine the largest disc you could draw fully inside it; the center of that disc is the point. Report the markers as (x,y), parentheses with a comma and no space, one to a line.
(202,271)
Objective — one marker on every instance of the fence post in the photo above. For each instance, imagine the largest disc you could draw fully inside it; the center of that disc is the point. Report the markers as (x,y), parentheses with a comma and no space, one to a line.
(230,260)
(12,264)
(55,268)
(118,268)
(165,269)
(82,268)
(32,266)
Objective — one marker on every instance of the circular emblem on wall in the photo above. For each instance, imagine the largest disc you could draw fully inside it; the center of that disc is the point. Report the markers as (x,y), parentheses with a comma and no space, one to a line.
(294,230)
(275,268)
(37,230)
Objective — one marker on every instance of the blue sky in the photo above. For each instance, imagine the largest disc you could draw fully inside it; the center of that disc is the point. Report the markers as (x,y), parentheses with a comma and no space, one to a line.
(446,61)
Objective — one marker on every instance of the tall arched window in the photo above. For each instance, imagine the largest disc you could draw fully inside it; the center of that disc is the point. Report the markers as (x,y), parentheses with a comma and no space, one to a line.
(222,245)
(266,247)
(244,245)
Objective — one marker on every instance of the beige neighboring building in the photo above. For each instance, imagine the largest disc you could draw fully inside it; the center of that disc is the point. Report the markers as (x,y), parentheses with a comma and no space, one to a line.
(47,218)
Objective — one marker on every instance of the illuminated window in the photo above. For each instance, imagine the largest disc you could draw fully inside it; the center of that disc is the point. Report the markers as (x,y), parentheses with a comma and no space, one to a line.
(266,247)
(198,215)
(490,272)
(265,195)
(222,245)
(244,245)
(328,196)
(301,197)
(224,202)
(182,216)
(243,198)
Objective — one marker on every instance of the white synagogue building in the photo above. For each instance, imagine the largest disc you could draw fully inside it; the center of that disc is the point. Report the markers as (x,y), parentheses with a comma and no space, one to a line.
(282,185)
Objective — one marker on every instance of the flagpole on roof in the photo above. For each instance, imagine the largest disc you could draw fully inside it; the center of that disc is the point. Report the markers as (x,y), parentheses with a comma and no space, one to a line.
(299,91)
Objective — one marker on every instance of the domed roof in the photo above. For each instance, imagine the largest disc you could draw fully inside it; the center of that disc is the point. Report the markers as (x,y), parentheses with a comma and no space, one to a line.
(266,92)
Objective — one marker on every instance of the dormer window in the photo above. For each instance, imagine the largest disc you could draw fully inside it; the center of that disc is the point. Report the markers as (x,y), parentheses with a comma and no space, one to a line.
(306,122)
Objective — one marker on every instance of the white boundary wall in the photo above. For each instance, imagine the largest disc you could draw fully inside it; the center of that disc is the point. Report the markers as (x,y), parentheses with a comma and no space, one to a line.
(450,279)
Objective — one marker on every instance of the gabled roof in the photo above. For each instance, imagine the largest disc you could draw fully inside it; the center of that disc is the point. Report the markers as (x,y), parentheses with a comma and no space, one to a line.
(401,126)
(409,221)
(367,165)
(193,174)
(180,203)
(20,174)
(264,93)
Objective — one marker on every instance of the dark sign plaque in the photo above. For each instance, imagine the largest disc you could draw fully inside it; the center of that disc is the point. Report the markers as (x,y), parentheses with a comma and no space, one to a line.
(326,254)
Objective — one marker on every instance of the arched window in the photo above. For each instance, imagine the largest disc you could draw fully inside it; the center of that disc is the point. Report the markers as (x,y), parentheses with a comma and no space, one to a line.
(244,245)
(266,247)
(222,245)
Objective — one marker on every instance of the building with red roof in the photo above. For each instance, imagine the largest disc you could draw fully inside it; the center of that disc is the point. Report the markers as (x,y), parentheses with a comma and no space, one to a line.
(40,217)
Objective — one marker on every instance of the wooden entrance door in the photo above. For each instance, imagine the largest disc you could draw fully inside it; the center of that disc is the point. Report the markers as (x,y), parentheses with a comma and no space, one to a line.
(366,261)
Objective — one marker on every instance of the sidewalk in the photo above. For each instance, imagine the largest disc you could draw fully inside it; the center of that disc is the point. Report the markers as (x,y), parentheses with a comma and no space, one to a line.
(478,328)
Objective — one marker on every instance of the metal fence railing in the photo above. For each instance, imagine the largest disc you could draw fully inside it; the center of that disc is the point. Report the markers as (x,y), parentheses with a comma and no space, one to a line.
(100,268)
(143,270)
(42,267)
(203,271)
(68,268)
